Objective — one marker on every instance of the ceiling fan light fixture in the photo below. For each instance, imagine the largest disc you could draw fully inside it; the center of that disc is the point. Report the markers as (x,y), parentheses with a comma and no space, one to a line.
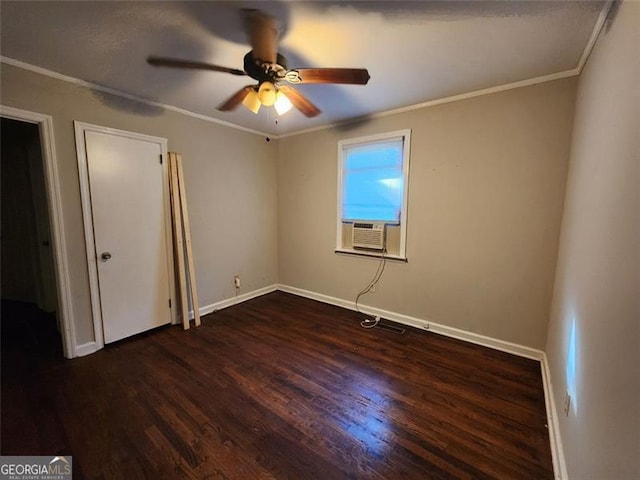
(252,101)
(283,104)
(267,93)
(265,65)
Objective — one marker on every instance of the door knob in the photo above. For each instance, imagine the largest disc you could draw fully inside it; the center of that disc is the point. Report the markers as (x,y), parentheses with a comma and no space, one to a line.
(105,256)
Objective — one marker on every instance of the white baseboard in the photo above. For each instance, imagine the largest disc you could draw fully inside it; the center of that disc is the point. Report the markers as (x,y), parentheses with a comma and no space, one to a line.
(502,345)
(85,349)
(92,347)
(557,453)
(207,309)
(559,466)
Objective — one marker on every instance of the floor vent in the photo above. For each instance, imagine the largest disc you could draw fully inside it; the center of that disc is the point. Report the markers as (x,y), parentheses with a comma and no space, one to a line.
(390,328)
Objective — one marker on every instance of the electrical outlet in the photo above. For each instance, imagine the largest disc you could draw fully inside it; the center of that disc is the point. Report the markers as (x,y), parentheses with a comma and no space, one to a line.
(567,403)
(236,281)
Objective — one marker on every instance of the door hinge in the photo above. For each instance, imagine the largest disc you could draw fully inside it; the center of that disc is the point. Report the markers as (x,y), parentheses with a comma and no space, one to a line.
(160,159)
(169,303)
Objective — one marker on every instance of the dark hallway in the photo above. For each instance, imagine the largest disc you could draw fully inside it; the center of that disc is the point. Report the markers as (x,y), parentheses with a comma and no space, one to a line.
(28,285)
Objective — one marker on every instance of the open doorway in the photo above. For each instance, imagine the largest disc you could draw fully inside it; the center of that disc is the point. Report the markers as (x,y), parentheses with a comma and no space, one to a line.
(30,321)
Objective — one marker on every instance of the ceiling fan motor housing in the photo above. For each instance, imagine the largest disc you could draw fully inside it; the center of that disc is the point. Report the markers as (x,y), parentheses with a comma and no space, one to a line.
(264,71)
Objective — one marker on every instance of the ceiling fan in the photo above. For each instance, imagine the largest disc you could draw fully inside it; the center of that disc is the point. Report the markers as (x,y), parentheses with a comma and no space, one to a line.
(264,64)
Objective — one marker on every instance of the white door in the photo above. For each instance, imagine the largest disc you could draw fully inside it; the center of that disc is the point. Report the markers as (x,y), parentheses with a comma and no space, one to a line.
(128,209)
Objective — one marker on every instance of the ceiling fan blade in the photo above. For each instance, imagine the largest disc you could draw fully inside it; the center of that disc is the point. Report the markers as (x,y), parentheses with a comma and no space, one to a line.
(176,63)
(262,30)
(299,101)
(350,76)
(236,99)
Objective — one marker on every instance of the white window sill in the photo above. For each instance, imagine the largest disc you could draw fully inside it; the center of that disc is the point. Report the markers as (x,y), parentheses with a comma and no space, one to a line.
(367,253)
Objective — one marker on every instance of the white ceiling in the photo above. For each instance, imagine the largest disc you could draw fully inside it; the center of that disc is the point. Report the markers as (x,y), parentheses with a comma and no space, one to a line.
(415,52)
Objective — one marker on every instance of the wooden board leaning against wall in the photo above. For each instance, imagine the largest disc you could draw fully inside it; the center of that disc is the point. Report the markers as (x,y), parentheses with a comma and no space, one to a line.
(182,242)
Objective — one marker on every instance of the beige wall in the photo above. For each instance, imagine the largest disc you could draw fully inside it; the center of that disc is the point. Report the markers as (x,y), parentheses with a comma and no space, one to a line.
(485,204)
(487,179)
(230,177)
(598,276)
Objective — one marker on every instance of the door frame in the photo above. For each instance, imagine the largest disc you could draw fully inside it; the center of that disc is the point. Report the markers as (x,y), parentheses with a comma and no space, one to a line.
(85,195)
(54,206)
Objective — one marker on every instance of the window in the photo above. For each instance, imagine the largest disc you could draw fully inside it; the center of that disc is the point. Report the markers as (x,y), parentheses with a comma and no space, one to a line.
(372,187)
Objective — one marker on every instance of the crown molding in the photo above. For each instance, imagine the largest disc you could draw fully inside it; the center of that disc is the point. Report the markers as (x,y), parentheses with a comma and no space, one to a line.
(119,93)
(597,29)
(453,98)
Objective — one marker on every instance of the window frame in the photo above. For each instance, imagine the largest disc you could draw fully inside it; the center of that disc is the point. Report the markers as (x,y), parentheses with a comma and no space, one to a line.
(406,155)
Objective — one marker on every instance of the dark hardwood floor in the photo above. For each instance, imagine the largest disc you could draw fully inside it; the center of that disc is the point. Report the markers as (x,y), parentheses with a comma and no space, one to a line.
(280,387)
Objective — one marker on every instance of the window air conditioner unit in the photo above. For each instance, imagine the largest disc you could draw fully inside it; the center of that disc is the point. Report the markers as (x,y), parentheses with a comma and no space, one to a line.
(368,235)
